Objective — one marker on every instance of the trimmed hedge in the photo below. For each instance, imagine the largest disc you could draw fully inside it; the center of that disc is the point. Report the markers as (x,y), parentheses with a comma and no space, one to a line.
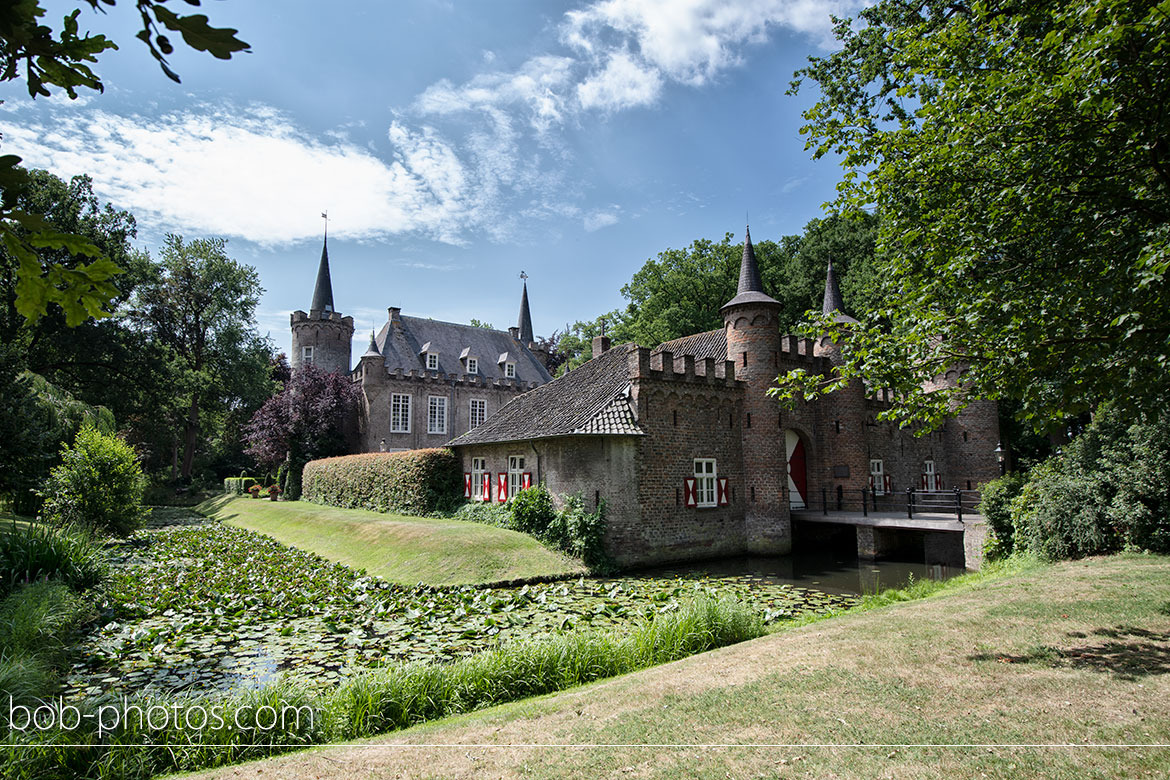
(414,482)
(238,485)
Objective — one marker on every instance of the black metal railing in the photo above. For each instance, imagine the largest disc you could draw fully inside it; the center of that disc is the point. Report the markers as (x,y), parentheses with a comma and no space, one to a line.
(911,501)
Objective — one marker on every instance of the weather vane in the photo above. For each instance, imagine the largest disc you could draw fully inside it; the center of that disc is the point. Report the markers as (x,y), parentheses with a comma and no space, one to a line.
(524,276)
(325,216)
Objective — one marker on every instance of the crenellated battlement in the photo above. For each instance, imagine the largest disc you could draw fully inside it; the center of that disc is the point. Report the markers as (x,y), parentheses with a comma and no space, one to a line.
(795,348)
(299,317)
(665,366)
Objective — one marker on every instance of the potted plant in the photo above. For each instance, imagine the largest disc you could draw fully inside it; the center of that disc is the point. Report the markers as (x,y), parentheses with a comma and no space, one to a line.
(255,491)
(274,492)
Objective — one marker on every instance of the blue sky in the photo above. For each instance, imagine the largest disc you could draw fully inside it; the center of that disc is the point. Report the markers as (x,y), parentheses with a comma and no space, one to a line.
(453,144)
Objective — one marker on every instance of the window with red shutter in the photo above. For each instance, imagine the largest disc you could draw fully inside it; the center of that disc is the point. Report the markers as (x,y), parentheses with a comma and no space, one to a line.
(502,486)
(467,484)
(689,491)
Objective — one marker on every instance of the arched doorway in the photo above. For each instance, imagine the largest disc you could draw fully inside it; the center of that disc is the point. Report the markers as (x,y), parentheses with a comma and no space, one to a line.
(797,470)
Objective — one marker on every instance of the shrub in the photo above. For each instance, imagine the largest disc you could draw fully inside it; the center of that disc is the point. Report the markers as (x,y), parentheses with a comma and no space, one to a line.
(581,534)
(995,505)
(238,485)
(486,512)
(532,510)
(99,484)
(413,482)
(40,552)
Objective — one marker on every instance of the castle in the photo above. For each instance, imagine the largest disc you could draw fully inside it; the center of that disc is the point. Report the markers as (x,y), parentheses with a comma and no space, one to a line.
(423,381)
(691,457)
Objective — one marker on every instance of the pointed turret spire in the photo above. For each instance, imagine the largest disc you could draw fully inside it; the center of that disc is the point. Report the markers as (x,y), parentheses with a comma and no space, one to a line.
(323,290)
(372,350)
(751,286)
(525,322)
(749,271)
(833,300)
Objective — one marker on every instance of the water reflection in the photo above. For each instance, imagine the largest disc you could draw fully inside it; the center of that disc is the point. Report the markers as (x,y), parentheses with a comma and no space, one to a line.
(829,571)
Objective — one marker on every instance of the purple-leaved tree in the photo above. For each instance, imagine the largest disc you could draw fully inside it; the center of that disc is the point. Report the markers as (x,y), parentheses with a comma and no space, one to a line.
(308,419)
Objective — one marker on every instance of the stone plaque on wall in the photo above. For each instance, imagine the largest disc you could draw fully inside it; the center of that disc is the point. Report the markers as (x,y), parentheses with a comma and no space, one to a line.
(841,472)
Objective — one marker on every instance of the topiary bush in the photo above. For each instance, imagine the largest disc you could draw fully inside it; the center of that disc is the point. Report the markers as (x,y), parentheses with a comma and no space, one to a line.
(415,482)
(99,485)
(238,485)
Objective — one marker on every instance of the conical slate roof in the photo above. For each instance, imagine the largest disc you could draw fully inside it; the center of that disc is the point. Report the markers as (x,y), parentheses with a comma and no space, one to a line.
(834,302)
(751,287)
(323,290)
(372,350)
(525,323)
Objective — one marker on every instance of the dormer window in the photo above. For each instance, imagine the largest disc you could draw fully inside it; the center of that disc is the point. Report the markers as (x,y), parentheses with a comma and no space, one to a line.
(510,370)
(472,365)
(432,361)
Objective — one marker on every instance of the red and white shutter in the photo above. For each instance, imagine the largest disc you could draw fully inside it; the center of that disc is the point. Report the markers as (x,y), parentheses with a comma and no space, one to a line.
(502,486)
(886,484)
(526,480)
(689,496)
(467,484)
(722,489)
(871,484)
(924,482)
(938,481)
(487,486)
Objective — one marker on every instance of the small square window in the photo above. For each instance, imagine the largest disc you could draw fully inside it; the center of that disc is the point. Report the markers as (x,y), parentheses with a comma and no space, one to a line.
(510,370)
(432,361)
(307,355)
(472,366)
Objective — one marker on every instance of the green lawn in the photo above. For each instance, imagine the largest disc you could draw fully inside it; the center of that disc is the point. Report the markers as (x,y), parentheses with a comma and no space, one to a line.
(397,548)
(1056,672)
(8,518)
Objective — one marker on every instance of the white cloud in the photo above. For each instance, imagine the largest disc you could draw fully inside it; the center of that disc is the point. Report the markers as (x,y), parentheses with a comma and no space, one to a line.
(623,83)
(596,220)
(253,174)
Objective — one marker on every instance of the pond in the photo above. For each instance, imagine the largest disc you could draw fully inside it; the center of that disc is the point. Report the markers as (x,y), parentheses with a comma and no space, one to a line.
(196,606)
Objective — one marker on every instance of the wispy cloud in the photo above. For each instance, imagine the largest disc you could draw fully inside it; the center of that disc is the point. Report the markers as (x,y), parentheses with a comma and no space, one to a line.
(596,220)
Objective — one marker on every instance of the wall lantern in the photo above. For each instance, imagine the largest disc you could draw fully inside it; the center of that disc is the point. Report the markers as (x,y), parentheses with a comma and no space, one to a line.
(382,445)
(1001,458)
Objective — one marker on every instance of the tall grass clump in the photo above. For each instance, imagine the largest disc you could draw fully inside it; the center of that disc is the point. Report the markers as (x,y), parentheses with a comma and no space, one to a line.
(36,551)
(37,626)
(399,696)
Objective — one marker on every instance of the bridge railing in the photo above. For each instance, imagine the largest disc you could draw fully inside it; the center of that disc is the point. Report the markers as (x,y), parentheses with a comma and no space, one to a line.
(911,501)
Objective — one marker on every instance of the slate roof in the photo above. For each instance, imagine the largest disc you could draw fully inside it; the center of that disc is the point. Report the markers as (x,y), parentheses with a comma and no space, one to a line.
(751,287)
(525,320)
(590,400)
(712,344)
(323,289)
(402,346)
(834,301)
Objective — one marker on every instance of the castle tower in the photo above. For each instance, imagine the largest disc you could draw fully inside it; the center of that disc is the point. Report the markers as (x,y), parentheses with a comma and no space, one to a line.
(322,337)
(751,322)
(843,412)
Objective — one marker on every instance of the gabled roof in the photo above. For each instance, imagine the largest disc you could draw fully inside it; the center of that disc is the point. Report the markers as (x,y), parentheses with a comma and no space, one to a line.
(711,344)
(323,289)
(402,346)
(589,400)
(751,286)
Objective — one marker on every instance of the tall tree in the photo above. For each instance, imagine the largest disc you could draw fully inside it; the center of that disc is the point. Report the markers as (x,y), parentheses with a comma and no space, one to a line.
(308,419)
(681,291)
(200,304)
(43,57)
(1019,155)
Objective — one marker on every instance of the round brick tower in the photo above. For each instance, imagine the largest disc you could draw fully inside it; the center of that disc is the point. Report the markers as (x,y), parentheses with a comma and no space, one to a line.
(843,412)
(751,322)
(322,337)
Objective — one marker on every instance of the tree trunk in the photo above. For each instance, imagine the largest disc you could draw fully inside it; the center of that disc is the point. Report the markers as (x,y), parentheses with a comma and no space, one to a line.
(191,436)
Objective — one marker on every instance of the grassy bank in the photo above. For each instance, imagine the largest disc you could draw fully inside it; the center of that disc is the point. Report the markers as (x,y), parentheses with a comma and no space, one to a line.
(397,548)
(1076,654)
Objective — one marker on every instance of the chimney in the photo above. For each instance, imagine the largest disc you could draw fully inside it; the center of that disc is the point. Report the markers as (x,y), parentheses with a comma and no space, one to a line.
(395,312)
(600,344)
(514,332)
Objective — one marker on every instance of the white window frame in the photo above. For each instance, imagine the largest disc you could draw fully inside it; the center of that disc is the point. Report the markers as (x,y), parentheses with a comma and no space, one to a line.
(877,470)
(436,414)
(478,469)
(706,482)
(432,361)
(509,370)
(307,356)
(397,398)
(472,365)
(471,421)
(515,474)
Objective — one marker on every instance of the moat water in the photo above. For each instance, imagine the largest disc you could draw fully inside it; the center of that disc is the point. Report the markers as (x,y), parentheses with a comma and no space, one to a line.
(831,571)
